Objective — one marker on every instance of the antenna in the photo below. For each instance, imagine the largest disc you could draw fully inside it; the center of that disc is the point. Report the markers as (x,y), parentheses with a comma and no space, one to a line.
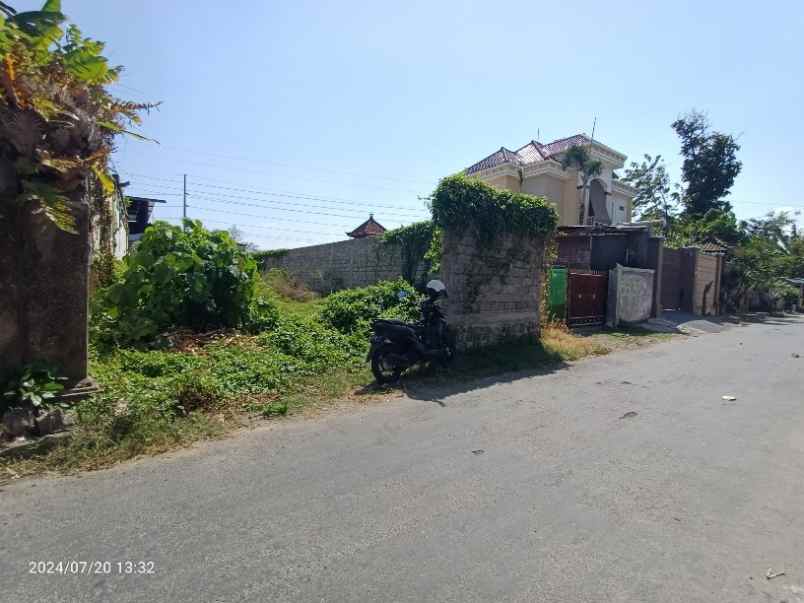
(594,125)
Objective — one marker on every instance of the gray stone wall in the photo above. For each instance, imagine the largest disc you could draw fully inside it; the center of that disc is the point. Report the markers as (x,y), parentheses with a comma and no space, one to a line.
(494,290)
(342,265)
(44,276)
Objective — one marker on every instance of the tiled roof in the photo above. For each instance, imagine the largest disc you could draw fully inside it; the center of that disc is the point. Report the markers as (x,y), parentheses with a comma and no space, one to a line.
(562,144)
(712,244)
(530,153)
(369,228)
(496,158)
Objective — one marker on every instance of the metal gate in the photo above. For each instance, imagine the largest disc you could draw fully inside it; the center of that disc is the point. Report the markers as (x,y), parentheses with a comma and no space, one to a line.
(677,280)
(586,297)
(557,295)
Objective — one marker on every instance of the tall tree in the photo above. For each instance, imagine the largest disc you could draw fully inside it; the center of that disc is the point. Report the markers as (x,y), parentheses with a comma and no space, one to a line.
(710,164)
(776,227)
(579,158)
(652,183)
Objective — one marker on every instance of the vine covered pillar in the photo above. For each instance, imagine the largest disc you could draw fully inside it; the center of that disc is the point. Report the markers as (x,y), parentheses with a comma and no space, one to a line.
(494,288)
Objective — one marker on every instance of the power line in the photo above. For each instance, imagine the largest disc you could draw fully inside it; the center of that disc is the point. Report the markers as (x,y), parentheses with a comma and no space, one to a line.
(307,210)
(289,194)
(271,204)
(234,213)
(274,234)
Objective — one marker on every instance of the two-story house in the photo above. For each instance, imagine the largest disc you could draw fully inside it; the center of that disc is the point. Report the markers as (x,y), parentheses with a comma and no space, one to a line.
(536,168)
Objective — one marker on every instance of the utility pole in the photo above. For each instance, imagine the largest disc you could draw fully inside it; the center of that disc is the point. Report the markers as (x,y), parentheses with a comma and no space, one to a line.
(184,200)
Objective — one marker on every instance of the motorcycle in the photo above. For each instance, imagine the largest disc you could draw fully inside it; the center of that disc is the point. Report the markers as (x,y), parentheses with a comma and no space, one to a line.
(397,345)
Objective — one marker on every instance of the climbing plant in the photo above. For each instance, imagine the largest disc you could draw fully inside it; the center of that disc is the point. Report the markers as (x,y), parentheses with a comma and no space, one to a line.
(460,202)
(58,121)
(414,242)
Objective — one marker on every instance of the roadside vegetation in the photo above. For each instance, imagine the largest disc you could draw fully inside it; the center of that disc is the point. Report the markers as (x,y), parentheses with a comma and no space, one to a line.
(175,369)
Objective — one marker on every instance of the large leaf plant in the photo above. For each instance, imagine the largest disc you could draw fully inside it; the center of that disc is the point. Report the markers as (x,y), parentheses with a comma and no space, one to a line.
(58,120)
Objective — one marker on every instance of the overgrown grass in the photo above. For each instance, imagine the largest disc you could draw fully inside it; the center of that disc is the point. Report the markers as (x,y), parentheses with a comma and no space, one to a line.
(566,345)
(204,385)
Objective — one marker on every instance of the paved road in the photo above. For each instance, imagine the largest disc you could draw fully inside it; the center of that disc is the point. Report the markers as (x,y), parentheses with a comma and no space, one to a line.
(528,489)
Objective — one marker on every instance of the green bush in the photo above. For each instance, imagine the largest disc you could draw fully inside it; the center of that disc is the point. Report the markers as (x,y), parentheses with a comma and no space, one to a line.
(352,310)
(460,202)
(180,277)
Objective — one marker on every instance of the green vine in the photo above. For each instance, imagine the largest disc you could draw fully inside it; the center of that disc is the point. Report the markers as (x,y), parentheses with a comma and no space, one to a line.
(273,254)
(414,242)
(460,202)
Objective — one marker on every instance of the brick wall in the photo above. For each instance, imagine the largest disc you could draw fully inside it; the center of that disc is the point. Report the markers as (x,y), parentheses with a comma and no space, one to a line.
(342,265)
(494,290)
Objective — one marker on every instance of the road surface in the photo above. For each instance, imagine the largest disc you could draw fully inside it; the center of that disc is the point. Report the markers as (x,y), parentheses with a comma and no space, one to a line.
(540,488)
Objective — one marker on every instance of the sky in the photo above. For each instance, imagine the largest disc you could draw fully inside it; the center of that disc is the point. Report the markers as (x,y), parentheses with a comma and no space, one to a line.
(294,120)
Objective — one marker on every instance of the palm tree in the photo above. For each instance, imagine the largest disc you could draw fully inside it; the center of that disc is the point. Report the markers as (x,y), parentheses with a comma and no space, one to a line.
(579,158)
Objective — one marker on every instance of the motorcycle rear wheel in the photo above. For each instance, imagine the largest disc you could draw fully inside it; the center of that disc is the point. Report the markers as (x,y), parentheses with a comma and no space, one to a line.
(384,370)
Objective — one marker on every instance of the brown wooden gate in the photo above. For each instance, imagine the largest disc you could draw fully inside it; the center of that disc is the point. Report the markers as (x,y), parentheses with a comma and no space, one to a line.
(586,297)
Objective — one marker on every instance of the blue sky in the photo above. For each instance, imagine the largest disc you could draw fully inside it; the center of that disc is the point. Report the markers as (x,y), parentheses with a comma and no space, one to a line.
(364,105)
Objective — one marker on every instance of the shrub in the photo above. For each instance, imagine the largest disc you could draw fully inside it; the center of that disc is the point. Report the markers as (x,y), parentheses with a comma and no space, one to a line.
(179,277)
(460,202)
(414,241)
(351,310)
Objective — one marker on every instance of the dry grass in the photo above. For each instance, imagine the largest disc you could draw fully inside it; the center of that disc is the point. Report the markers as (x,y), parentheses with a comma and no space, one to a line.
(288,287)
(557,339)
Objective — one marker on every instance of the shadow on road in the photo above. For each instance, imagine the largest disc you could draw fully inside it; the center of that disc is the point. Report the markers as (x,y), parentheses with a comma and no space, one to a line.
(478,370)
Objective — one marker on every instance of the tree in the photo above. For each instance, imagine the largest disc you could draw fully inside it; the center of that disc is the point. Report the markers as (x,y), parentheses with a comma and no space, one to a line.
(710,164)
(652,184)
(239,238)
(715,224)
(579,158)
(774,227)
(57,119)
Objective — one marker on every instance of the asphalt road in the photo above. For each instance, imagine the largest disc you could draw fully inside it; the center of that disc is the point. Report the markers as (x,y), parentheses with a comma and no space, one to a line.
(522,489)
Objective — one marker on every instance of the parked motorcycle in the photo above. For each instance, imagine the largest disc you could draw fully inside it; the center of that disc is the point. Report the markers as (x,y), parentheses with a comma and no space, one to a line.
(397,345)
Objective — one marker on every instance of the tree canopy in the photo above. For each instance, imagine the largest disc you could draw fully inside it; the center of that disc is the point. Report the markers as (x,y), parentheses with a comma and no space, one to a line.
(58,121)
(652,183)
(710,164)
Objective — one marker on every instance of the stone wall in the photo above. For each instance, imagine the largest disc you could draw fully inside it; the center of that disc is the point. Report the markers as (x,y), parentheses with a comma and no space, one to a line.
(44,276)
(342,265)
(630,298)
(494,290)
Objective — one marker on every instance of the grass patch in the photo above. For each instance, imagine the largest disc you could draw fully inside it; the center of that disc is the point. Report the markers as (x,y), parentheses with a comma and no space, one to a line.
(204,385)
(566,345)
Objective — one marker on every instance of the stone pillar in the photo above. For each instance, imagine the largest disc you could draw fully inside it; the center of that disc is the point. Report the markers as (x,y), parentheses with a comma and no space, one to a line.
(494,289)
(44,278)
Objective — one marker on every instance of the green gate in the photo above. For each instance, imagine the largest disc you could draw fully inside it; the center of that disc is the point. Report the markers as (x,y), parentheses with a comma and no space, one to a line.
(557,294)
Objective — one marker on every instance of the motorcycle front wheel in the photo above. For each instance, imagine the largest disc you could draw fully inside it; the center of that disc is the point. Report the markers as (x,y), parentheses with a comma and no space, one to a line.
(385,371)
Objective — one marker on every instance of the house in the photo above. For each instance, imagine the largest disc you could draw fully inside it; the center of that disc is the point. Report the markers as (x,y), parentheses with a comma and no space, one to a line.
(369,228)
(535,168)
(139,216)
(108,227)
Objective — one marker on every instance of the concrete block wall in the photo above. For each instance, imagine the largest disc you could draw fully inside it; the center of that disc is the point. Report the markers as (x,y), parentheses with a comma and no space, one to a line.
(494,290)
(342,265)
(630,298)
